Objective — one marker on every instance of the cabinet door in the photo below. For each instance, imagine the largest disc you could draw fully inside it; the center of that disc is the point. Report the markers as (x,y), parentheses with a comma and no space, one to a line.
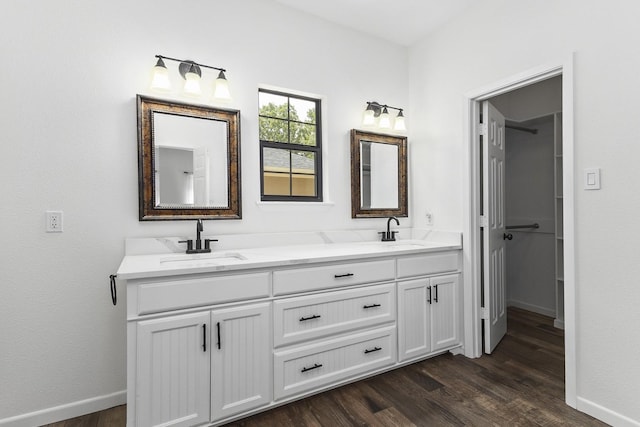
(172,382)
(445,321)
(414,329)
(241,374)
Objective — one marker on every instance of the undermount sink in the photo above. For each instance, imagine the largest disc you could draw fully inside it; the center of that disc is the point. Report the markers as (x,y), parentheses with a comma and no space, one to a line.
(217,258)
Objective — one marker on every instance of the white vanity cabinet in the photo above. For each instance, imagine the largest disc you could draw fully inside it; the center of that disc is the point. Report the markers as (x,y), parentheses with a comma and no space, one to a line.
(429,303)
(210,345)
(184,359)
(199,347)
(428,315)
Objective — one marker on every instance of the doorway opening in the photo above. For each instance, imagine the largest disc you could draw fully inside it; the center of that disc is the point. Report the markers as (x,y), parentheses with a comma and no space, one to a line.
(474,219)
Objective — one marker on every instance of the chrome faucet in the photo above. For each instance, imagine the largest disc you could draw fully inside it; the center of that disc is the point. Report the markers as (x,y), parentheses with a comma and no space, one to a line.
(199,249)
(389,236)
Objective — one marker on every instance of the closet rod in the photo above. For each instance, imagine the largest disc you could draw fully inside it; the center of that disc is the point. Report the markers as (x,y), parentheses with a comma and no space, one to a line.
(513,227)
(523,129)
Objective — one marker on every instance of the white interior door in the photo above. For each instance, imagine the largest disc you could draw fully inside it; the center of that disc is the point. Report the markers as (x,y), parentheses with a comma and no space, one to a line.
(494,272)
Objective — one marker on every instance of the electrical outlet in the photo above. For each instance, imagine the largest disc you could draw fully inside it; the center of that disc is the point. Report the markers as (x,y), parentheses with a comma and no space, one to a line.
(429,217)
(54,222)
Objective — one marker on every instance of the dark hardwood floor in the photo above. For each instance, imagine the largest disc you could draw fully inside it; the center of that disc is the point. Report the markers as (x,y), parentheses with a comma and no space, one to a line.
(520,384)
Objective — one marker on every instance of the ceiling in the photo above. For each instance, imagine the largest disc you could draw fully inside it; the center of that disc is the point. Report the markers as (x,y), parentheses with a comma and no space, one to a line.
(400,21)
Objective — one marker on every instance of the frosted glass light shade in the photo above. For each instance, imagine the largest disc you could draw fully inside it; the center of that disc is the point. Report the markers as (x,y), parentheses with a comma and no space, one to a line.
(399,123)
(192,83)
(384,122)
(221,88)
(160,77)
(368,118)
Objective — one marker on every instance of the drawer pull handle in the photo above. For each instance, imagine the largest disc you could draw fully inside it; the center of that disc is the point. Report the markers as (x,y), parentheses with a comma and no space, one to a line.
(371,306)
(315,366)
(435,299)
(429,300)
(367,351)
(315,316)
(337,276)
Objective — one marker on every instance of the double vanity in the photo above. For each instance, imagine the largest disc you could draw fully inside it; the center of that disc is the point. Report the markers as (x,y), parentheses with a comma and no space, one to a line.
(240,324)
(213,337)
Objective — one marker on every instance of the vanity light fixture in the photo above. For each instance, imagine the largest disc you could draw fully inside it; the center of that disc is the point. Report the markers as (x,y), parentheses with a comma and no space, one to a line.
(381,112)
(191,72)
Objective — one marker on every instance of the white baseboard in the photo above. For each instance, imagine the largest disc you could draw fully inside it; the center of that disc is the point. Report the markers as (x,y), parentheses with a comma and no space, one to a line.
(604,414)
(557,323)
(530,307)
(69,410)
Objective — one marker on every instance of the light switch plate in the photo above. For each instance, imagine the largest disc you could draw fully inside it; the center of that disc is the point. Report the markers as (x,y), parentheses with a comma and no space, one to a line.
(592,179)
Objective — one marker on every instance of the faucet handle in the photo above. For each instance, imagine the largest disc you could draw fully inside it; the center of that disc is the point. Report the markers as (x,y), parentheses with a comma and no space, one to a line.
(207,243)
(189,243)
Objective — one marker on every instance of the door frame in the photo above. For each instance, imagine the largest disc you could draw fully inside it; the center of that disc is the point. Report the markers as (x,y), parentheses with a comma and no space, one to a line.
(471,232)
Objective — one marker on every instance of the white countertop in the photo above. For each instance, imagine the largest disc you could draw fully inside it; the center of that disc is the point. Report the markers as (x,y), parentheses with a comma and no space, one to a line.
(171,263)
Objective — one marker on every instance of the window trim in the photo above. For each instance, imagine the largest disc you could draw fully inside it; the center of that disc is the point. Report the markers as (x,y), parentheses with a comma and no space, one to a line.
(317,150)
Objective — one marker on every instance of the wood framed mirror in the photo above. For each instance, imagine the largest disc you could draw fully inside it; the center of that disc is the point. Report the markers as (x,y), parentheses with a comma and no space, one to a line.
(378,175)
(188,161)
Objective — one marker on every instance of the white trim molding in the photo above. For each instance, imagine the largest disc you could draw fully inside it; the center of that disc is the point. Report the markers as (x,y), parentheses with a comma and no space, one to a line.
(604,414)
(67,411)
(471,230)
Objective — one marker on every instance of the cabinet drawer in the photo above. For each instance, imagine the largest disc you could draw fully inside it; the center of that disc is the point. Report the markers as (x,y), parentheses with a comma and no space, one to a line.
(327,362)
(420,265)
(315,316)
(175,294)
(332,276)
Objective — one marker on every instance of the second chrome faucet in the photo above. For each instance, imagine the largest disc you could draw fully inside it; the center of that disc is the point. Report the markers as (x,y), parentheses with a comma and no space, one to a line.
(198,249)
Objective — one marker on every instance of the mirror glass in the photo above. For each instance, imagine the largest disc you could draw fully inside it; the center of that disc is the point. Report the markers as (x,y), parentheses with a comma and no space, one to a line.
(191,161)
(378,175)
(188,161)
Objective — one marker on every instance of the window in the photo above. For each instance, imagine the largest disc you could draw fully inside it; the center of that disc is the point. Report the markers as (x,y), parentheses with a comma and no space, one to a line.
(290,147)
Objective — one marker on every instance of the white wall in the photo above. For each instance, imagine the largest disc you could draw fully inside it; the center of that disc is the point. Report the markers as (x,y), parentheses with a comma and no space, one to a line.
(70,74)
(497,39)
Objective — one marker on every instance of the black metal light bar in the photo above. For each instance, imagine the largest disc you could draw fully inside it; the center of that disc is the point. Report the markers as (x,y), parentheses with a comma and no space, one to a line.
(189,62)
(378,108)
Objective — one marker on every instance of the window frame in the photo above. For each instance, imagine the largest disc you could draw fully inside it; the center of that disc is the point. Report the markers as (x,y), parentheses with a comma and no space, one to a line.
(293,147)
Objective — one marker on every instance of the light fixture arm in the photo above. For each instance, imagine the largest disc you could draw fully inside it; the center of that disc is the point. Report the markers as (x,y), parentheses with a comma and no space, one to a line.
(190,62)
(378,108)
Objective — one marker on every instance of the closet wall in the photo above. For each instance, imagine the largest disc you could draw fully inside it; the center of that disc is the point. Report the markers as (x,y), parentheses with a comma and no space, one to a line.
(530,199)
